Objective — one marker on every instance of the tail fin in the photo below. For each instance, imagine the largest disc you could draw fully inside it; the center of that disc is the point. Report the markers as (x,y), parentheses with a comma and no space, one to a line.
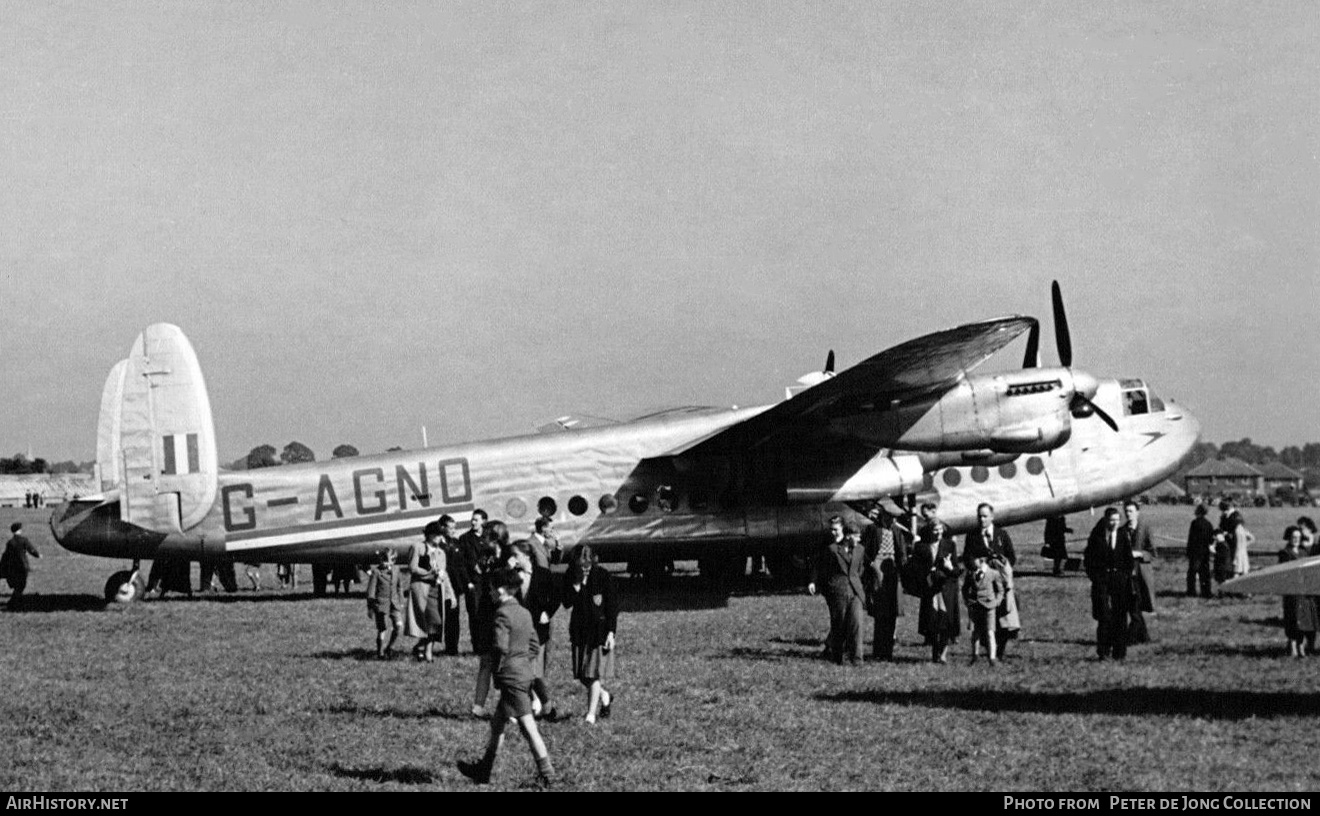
(165,441)
(109,473)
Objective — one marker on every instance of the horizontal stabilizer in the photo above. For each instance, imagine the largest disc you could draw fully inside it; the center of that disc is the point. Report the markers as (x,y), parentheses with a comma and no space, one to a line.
(1292,578)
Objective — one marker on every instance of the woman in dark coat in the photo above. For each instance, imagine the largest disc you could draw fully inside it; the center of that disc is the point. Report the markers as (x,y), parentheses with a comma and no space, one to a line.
(1301,619)
(934,563)
(589,593)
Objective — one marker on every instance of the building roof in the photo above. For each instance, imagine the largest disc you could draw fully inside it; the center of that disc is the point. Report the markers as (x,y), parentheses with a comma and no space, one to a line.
(1278,470)
(1227,466)
(1166,488)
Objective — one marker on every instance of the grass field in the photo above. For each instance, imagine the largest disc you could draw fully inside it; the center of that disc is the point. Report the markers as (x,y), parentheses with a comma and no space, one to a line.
(271,691)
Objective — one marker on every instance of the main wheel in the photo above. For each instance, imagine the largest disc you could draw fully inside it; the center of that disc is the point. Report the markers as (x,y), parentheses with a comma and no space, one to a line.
(124,587)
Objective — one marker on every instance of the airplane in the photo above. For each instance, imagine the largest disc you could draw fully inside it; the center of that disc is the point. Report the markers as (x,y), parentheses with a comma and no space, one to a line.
(1300,577)
(711,484)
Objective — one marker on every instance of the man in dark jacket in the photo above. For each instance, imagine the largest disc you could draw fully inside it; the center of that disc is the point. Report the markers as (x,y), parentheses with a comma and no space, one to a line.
(473,549)
(16,564)
(1109,564)
(838,574)
(1200,544)
(456,564)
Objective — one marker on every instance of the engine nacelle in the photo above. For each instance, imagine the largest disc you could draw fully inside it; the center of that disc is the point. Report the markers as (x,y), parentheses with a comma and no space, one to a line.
(1019,412)
(884,475)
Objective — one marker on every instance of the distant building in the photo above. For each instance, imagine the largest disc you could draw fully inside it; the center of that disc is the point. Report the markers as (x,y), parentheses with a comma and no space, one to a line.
(54,488)
(1228,476)
(1166,492)
(1278,475)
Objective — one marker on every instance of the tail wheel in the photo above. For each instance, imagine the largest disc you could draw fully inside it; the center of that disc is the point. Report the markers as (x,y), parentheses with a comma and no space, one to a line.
(125,587)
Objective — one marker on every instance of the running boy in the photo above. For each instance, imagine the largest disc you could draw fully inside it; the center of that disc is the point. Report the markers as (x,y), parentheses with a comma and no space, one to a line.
(515,645)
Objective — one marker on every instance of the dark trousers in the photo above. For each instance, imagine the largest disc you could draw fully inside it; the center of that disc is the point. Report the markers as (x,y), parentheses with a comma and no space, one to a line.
(1198,567)
(845,626)
(453,627)
(470,602)
(1111,606)
(882,642)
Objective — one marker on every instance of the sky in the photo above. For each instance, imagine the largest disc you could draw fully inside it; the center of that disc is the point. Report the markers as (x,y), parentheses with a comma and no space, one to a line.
(475,217)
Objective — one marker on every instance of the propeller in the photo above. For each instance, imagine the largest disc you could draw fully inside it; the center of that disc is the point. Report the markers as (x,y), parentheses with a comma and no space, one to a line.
(1084,385)
(814,377)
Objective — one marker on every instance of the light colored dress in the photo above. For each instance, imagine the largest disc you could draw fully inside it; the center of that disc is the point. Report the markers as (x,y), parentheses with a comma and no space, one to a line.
(1243,539)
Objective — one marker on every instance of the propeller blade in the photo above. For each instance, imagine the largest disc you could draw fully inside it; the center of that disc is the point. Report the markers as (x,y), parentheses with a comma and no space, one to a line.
(1032,358)
(1061,334)
(829,362)
(1100,412)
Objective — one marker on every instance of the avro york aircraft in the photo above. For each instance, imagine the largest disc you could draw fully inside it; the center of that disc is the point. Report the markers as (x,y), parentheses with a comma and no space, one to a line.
(713,484)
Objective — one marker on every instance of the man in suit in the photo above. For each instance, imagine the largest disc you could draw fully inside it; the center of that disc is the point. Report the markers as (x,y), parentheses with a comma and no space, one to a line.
(886,553)
(473,549)
(16,563)
(1200,543)
(1143,554)
(457,566)
(838,574)
(546,549)
(1109,564)
(996,546)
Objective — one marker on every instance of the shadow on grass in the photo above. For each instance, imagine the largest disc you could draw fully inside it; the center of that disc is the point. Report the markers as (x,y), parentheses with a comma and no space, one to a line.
(375,712)
(1139,702)
(678,593)
(56,603)
(407,775)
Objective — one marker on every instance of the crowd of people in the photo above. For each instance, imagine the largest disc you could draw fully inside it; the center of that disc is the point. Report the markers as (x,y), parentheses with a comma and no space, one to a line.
(869,571)
(510,596)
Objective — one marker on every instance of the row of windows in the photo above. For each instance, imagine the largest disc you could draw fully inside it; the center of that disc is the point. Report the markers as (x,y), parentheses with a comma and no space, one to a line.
(980,473)
(666,497)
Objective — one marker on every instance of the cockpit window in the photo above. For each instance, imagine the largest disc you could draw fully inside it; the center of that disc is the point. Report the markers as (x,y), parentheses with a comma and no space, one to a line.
(1139,399)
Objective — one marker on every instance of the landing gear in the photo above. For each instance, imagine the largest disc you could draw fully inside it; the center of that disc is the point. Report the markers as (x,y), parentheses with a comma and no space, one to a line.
(320,577)
(788,569)
(722,570)
(125,587)
(652,570)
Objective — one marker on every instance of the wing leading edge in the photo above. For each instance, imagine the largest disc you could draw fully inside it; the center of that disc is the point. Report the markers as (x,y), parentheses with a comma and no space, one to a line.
(926,365)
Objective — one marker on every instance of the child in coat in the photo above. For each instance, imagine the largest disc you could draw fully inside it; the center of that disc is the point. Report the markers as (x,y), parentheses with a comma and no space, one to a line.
(385,601)
(983,590)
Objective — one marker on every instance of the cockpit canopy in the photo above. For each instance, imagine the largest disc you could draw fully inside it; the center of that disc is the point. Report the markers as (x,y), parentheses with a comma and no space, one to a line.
(1138,399)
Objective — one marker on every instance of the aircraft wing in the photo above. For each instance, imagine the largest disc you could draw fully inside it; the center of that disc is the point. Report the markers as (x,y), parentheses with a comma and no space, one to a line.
(1300,577)
(923,366)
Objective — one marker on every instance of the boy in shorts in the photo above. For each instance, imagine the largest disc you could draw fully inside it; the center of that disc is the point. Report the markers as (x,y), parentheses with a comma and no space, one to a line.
(515,645)
(385,601)
(983,590)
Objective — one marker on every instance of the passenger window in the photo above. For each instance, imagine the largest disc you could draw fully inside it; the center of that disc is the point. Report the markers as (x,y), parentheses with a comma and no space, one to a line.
(577,505)
(638,503)
(608,504)
(665,499)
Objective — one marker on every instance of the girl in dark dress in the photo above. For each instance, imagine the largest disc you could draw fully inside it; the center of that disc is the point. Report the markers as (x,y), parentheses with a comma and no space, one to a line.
(935,562)
(589,593)
(1300,616)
